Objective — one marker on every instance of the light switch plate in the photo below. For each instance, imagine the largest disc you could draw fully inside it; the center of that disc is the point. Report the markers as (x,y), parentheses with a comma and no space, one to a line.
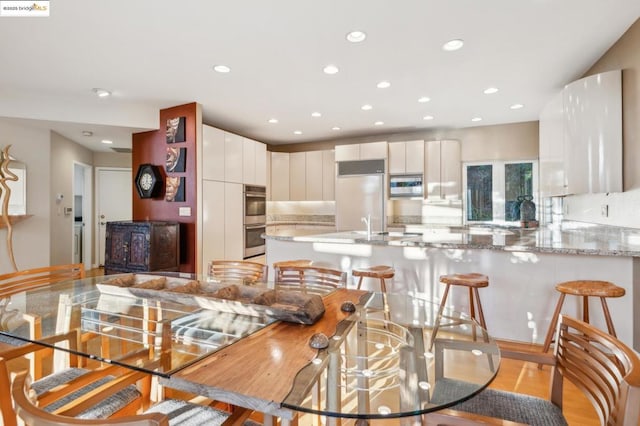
(184,211)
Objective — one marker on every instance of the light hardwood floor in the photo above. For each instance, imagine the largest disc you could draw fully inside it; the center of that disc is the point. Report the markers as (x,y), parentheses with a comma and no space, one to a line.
(521,377)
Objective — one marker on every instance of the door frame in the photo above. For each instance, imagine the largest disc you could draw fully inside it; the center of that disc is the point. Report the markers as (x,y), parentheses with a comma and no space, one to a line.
(87,214)
(96,226)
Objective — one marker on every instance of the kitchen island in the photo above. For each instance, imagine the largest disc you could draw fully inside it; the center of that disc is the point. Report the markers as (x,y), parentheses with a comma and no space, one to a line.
(523,267)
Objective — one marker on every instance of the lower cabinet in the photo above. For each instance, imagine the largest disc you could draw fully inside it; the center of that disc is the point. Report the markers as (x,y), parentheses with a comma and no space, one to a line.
(222,222)
(142,246)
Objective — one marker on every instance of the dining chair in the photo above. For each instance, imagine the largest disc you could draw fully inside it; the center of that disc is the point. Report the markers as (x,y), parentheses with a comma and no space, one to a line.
(309,279)
(600,365)
(70,389)
(238,270)
(173,412)
(31,279)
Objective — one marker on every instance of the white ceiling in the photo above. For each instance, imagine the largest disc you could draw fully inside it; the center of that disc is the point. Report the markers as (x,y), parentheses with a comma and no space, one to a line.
(154,55)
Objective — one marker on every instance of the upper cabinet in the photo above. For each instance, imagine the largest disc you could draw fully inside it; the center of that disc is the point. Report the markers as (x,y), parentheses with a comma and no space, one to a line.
(227,157)
(581,137)
(279,176)
(406,157)
(443,174)
(303,176)
(361,151)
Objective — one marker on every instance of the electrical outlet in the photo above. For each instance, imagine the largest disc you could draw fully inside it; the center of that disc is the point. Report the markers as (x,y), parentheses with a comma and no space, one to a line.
(604,210)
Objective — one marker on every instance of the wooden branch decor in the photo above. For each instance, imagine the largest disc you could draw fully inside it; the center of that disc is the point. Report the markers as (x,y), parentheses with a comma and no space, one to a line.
(7,175)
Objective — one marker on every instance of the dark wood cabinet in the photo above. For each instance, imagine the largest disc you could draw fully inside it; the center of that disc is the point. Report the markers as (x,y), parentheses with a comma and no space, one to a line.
(139,246)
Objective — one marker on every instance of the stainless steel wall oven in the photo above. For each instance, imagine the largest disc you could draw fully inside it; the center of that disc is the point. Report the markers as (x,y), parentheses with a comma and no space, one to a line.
(255,218)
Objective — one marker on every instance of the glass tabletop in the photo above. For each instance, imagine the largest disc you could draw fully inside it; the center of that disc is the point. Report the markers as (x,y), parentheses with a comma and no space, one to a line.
(139,328)
(382,361)
(385,362)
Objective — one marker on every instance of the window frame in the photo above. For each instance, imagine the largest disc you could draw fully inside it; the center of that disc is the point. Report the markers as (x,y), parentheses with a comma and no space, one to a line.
(498,187)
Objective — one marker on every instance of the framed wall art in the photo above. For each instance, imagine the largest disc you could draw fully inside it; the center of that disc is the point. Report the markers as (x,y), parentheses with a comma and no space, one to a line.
(176,159)
(174,190)
(176,129)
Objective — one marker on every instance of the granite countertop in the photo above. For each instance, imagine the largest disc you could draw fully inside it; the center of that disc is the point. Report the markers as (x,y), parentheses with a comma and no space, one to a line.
(569,238)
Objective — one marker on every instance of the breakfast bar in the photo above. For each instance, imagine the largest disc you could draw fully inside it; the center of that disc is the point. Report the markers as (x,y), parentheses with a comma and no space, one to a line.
(523,267)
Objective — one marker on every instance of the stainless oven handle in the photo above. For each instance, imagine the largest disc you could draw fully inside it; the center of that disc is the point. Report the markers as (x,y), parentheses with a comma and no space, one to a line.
(255,226)
(256,194)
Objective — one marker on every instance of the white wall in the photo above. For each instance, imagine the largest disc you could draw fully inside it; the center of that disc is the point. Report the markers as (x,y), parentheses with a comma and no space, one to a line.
(30,237)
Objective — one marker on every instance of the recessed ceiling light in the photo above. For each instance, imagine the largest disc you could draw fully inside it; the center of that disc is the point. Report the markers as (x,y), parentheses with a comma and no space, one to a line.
(106,141)
(490,90)
(356,36)
(221,69)
(383,85)
(87,133)
(102,93)
(378,123)
(424,99)
(316,114)
(335,128)
(428,117)
(366,107)
(476,119)
(330,69)
(273,120)
(452,45)
(297,132)
(516,106)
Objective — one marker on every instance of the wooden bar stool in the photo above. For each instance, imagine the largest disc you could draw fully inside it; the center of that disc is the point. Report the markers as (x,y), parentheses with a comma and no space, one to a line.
(473,281)
(584,288)
(380,272)
(295,262)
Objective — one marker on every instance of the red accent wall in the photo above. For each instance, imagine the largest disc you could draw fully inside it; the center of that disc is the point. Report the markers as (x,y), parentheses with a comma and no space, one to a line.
(151,147)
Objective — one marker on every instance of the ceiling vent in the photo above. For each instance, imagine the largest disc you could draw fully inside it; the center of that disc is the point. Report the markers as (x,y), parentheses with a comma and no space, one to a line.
(122,150)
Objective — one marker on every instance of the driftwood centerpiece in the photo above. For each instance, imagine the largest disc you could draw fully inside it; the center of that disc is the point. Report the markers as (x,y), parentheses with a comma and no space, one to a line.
(291,306)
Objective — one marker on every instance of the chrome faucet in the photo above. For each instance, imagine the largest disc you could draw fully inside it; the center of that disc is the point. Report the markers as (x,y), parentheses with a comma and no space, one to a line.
(367,221)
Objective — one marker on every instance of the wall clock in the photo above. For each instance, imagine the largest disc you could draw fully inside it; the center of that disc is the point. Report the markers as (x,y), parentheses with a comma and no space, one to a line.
(148,180)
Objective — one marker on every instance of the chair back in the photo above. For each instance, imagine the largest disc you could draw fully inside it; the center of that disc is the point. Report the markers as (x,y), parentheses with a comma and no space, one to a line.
(309,279)
(31,279)
(600,365)
(33,415)
(238,270)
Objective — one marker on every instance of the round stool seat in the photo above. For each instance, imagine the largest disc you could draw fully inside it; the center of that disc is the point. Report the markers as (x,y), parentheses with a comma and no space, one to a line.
(472,279)
(378,271)
(590,288)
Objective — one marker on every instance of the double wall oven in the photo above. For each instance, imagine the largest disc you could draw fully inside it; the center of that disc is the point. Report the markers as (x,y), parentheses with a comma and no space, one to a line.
(255,219)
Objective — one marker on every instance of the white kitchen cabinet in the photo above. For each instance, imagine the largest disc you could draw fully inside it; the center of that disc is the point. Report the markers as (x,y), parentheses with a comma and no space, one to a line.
(222,224)
(233,221)
(580,147)
(314,181)
(268,175)
(406,157)
(261,164)
(248,161)
(297,176)
(361,151)
(212,153)
(328,175)
(233,159)
(212,221)
(280,176)
(443,174)
(551,149)
(348,152)
(373,150)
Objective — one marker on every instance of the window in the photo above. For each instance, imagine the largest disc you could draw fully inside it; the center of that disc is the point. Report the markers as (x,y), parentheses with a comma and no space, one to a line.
(494,191)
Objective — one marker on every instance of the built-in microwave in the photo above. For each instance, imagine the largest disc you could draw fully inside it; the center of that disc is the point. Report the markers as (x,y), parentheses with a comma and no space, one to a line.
(406,186)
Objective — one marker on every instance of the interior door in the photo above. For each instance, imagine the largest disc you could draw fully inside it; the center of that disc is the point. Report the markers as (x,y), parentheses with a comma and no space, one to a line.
(113,189)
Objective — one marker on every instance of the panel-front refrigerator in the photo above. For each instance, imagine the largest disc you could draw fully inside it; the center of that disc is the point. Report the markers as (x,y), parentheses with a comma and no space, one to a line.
(360,191)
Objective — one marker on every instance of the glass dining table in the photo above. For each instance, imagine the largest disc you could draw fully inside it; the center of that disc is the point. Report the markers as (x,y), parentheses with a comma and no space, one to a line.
(366,356)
